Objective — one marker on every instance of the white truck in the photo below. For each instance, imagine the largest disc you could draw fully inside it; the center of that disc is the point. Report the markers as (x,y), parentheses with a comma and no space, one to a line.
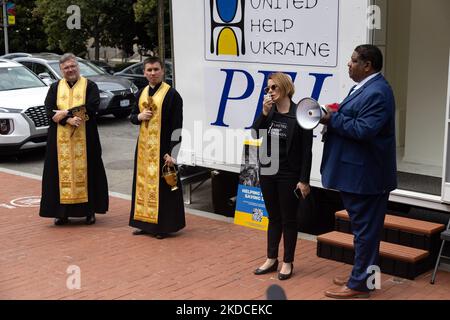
(225,49)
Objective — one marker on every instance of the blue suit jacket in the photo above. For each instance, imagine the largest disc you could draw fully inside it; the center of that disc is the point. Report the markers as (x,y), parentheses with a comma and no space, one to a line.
(359,154)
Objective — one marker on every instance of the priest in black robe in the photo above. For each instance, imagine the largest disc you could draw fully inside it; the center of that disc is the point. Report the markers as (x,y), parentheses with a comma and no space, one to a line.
(156,207)
(74,181)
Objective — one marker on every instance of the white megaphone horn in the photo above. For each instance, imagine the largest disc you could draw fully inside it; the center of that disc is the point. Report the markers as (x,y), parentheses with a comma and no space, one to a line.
(309,113)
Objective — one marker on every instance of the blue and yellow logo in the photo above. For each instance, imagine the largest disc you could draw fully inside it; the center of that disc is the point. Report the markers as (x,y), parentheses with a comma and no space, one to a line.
(227,22)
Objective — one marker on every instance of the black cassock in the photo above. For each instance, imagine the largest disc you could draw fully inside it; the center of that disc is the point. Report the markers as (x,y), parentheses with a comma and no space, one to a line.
(98,200)
(171,206)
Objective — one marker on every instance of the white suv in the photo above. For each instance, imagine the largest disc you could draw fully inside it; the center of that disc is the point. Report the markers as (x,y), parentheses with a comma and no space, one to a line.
(23,118)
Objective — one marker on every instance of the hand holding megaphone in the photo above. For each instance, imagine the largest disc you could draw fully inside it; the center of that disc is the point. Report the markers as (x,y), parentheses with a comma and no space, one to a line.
(310,113)
(330,108)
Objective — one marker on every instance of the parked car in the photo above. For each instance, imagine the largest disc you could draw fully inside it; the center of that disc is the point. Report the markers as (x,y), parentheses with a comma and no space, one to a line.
(122,65)
(103,65)
(116,94)
(15,55)
(135,73)
(23,118)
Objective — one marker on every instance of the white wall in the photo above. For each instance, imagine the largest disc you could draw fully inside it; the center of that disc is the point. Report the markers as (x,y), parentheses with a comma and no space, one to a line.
(427,81)
(396,62)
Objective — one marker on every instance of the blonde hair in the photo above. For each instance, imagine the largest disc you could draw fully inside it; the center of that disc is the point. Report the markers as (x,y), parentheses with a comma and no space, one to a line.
(284,82)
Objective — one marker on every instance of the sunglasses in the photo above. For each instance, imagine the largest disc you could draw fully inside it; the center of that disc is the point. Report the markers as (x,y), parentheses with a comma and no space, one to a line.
(272,87)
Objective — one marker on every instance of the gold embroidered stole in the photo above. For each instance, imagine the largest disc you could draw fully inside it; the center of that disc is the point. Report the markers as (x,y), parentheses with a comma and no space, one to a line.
(72,155)
(146,204)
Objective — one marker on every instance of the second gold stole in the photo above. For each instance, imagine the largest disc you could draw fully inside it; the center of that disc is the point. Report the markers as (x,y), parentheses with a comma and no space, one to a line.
(146,204)
(72,155)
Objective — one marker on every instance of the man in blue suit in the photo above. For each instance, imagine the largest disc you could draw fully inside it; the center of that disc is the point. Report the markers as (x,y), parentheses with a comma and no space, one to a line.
(359,160)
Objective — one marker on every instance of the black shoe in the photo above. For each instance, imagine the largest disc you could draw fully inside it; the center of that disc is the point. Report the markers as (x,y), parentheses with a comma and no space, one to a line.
(272,268)
(284,276)
(138,232)
(61,221)
(90,219)
(160,236)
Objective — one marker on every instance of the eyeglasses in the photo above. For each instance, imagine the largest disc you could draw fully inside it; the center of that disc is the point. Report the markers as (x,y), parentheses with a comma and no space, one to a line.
(268,88)
(69,67)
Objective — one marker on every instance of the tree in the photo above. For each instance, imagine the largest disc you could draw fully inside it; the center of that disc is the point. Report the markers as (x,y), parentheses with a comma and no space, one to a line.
(42,26)
(107,22)
(112,24)
(59,37)
(146,15)
(27,35)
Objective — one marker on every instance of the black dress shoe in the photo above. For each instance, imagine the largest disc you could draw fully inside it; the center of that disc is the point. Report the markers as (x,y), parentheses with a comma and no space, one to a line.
(272,268)
(284,276)
(90,219)
(61,221)
(160,236)
(138,232)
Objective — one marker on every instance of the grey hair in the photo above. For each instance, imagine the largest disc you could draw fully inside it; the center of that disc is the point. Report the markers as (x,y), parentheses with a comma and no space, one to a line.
(68,56)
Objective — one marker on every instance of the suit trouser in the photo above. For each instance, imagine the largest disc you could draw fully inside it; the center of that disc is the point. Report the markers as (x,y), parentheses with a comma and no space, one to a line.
(281,205)
(366,214)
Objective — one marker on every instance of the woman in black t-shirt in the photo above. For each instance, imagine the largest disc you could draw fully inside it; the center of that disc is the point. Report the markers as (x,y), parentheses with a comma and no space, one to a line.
(285,162)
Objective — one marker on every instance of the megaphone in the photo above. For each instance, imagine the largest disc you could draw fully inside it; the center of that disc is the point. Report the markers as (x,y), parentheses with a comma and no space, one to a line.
(309,113)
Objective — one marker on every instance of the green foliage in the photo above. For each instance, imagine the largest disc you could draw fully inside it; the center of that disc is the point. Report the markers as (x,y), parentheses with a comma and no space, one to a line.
(27,35)
(42,26)
(146,13)
(54,16)
(147,18)
(108,22)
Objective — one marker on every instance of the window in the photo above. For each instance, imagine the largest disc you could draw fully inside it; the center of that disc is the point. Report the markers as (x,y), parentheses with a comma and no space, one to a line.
(138,69)
(40,68)
(14,78)
(27,64)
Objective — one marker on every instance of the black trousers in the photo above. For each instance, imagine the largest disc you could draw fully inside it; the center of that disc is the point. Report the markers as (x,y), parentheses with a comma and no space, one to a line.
(281,205)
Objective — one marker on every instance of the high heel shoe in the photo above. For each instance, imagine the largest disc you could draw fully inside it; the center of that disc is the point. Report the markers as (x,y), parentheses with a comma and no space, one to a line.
(284,276)
(272,268)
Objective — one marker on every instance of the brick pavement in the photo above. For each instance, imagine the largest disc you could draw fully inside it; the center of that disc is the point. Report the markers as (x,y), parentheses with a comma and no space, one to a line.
(209,259)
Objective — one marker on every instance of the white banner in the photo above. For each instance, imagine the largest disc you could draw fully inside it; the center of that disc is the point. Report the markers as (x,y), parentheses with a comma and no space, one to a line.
(297,32)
